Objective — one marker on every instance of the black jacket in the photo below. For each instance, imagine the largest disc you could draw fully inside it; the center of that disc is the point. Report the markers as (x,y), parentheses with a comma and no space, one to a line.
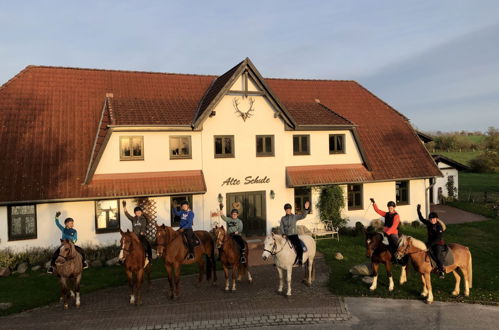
(435,231)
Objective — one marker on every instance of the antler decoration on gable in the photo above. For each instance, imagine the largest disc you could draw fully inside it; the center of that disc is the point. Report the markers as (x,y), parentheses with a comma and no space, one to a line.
(244,114)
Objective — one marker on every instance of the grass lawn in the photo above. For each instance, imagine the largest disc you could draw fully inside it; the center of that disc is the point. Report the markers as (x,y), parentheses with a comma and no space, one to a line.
(479,182)
(463,157)
(39,289)
(480,237)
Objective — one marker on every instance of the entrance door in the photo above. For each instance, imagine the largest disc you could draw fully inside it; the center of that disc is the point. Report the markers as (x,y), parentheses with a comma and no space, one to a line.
(252,211)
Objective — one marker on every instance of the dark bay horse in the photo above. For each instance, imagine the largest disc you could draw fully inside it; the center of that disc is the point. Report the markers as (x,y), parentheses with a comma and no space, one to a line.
(171,247)
(230,258)
(68,267)
(417,251)
(380,254)
(133,255)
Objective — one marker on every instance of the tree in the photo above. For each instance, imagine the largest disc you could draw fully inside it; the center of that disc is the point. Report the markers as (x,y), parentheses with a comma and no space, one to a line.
(331,202)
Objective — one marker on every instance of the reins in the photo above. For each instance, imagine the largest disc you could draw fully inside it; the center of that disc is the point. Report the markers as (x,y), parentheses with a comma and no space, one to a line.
(274,248)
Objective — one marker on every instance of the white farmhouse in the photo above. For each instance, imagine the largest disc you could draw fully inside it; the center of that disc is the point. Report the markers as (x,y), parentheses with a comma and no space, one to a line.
(450,179)
(80,141)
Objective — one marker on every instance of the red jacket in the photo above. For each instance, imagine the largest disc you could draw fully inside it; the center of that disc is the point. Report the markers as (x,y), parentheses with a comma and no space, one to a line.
(396,222)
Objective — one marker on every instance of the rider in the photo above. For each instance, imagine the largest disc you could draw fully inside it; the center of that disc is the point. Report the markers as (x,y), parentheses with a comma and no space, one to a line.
(69,233)
(186,221)
(435,241)
(392,221)
(139,226)
(234,229)
(288,228)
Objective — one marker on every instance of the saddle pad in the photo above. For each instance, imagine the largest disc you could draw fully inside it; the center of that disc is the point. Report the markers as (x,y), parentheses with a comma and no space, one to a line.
(448,257)
(303,246)
(195,240)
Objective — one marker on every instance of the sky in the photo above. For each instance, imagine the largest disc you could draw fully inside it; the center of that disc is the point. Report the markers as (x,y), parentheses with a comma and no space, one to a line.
(437,62)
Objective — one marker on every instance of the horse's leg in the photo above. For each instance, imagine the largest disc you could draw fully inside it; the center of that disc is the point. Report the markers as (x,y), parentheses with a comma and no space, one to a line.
(289,274)
(375,278)
(65,292)
(129,275)
(176,267)
(403,275)
(250,279)
(466,281)
(427,277)
(458,283)
(226,273)
(388,266)
(138,281)
(202,270)
(281,280)
(169,270)
(77,290)
(424,293)
(234,276)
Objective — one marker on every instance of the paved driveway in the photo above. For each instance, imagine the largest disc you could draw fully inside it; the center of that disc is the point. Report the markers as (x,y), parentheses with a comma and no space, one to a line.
(452,215)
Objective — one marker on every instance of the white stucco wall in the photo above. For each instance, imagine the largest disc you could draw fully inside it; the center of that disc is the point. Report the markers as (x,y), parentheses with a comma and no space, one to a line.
(441,182)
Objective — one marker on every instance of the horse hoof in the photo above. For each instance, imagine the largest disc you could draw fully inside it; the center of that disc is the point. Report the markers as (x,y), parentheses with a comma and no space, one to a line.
(390,289)
(467,294)
(424,295)
(455,293)
(429,302)
(372,289)
(66,306)
(77,305)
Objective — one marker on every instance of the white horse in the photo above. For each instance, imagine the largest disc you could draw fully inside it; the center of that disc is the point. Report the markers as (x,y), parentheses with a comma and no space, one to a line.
(285,256)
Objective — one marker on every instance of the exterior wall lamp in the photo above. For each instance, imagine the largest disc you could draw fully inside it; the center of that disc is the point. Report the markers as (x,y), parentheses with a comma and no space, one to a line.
(220,199)
(272,194)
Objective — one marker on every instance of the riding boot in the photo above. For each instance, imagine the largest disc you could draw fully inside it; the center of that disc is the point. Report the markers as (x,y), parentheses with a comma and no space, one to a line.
(243,256)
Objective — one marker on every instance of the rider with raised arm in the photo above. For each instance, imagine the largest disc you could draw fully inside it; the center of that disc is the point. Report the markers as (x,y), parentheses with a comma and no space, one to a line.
(392,221)
(435,240)
(139,227)
(186,221)
(288,228)
(234,229)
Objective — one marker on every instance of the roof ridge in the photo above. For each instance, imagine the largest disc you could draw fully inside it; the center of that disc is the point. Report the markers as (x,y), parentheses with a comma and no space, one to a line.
(117,70)
(311,79)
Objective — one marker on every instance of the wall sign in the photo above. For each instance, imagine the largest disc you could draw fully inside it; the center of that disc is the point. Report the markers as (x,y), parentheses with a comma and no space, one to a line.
(230,181)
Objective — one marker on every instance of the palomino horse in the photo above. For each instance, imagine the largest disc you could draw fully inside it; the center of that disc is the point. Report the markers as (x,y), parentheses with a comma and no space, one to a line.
(285,256)
(420,259)
(230,258)
(133,255)
(171,247)
(68,267)
(380,254)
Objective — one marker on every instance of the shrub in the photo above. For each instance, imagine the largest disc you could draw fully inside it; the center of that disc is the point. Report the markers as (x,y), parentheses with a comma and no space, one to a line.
(377,224)
(7,258)
(347,231)
(330,204)
(415,223)
(102,253)
(486,162)
(359,227)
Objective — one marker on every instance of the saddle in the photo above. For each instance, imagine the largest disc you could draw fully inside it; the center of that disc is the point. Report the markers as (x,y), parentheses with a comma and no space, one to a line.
(195,241)
(303,246)
(447,256)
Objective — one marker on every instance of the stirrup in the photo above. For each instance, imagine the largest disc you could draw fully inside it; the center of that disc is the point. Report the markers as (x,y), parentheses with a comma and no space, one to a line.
(50,270)
(243,260)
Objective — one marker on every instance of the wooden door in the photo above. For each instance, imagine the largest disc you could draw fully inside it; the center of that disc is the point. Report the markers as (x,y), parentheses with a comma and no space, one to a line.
(252,211)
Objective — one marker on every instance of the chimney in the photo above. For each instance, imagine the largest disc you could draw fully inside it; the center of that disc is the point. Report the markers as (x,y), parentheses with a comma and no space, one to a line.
(110,95)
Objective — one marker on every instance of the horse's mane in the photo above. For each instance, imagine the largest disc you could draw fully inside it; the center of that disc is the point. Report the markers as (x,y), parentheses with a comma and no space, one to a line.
(415,242)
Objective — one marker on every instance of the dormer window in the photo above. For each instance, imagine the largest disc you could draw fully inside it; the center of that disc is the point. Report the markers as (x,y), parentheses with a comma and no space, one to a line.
(131,148)
(336,143)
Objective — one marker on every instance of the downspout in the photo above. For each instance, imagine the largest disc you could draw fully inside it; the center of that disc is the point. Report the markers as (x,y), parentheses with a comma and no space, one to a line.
(432,183)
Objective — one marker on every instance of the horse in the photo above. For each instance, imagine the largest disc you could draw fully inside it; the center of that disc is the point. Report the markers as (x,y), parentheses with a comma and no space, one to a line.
(285,256)
(69,267)
(379,253)
(230,258)
(420,259)
(133,256)
(171,247)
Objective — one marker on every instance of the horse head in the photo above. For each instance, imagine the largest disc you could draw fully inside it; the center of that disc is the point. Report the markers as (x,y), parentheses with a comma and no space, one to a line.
(67,252)
(163,234)
(373,241)
(126,245)
(219,236)
(270,245)
(404,244)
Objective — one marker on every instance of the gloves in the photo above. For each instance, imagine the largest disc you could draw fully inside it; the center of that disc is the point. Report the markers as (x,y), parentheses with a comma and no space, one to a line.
(418,207)
(124,203)
(57,214)
(372,200)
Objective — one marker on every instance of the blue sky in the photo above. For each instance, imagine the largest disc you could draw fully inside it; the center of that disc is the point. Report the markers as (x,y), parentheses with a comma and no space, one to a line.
(435,61)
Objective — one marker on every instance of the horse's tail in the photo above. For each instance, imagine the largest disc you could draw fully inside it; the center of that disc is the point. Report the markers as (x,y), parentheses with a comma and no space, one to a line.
(470,270)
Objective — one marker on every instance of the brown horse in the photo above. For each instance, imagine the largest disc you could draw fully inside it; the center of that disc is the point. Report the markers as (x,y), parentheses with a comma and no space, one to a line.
(418,254)
(380,254)
(133,255)
(68,267)
(171,247)
(230,258)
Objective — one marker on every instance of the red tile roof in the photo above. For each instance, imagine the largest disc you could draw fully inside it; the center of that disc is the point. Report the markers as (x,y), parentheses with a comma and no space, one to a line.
(299,176)
(49,117)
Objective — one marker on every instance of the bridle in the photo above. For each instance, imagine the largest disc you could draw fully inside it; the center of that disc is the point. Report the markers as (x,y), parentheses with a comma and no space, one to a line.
(220,237)
(66,258)
(274,251)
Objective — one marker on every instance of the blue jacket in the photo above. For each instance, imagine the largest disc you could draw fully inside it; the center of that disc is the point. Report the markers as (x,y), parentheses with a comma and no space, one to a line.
(67,233)
(186,218)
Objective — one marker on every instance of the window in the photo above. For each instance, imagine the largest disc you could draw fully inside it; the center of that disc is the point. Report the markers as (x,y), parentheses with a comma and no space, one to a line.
(264,145)
(224,146)
(22,222)
(402,192)
(336,143)
(107,216)
(355,197)
(176,204)
(301,144)
(180,147)
(301,196)
(131,148)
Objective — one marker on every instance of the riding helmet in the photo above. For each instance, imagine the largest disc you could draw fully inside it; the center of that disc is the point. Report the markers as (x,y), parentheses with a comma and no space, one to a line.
(234,211)
(137,208)
(68,220)
(433,215)
(391,203)
(184,203)
(287,206)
